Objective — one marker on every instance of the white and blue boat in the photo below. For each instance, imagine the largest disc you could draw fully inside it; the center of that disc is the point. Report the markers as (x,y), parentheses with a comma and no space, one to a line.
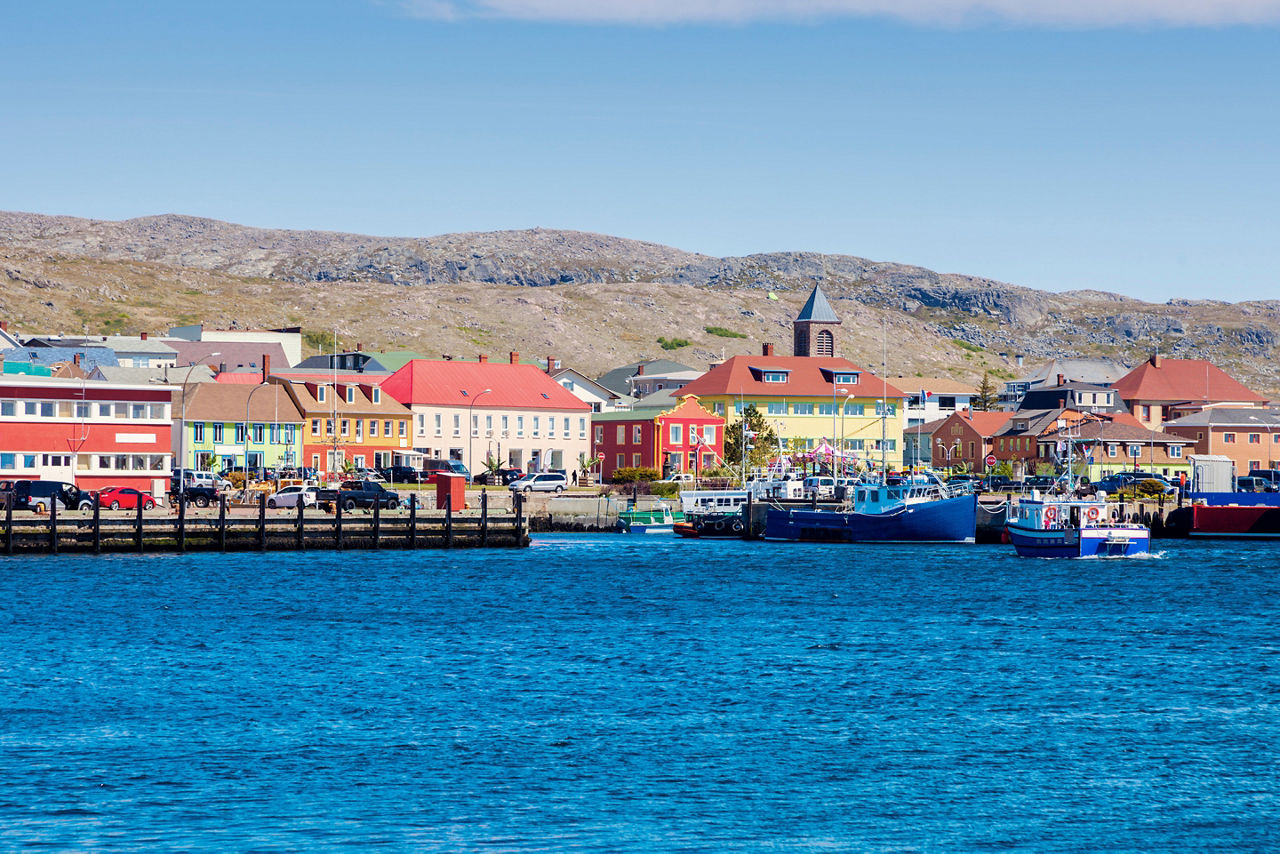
(1072,527)
(921,511)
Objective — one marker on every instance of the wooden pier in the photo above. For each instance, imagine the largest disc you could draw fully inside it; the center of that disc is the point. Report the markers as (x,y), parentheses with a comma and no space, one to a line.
(92,532)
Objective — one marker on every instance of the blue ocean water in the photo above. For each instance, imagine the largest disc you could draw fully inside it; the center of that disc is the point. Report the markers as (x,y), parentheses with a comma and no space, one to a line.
(612,693)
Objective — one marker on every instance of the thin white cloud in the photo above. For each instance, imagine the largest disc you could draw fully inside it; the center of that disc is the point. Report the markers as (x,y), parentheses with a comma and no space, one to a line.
(1071,13)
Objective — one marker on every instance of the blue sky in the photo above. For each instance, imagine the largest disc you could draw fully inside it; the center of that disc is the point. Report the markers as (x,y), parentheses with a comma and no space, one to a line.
(1131,145)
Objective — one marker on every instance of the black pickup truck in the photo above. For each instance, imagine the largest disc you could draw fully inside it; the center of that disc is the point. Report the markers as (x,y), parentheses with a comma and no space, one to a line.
(351,494)
(200,496)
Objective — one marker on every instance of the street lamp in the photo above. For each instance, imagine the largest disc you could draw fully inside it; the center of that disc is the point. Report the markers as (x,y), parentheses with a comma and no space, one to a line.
(247,401)
(471,433)
(182,428)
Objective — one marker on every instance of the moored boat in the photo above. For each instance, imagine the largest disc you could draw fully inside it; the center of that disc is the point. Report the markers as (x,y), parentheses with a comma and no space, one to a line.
(654,520)
(910,512)
(1073,527)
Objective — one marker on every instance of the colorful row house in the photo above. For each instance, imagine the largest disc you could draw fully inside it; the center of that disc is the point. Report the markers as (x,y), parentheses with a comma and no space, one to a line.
(349,421)
(674,433)
(810,401)
(508,413)
(224,425)
(92,434)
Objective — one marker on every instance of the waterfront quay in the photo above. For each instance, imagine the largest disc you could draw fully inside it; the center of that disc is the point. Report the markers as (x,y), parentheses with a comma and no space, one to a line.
(256,528)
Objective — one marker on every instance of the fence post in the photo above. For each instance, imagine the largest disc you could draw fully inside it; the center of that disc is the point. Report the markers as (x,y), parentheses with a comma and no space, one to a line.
(337,524)
(138,533)
(518,502)
(222,522)
(484,517)
(182,524)
(53,524)
(377,523)
(448,521)
(8,524)
(301,543)
(413,521)
(262,521)
(97,525)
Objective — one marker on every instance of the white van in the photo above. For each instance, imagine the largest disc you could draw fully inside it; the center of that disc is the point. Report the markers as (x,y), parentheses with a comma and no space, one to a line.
(819,485)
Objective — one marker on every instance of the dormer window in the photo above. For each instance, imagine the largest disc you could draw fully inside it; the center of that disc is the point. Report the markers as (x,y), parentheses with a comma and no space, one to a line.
(846,379)
(377,395)
(321,393)
(775,376)
(351,394)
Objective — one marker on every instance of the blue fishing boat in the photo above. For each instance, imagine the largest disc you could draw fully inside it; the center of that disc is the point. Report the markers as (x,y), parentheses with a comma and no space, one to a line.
(1072,527)
(923,511)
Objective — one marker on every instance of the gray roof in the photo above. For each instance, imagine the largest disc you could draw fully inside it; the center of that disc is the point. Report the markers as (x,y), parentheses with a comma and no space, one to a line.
(137,376)
(616,380)
(1096,371)
(233,354)
(817,309)
(1228,417)
(90,357)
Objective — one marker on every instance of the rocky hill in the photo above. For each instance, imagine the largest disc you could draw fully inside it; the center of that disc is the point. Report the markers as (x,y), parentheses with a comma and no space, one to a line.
(593,300)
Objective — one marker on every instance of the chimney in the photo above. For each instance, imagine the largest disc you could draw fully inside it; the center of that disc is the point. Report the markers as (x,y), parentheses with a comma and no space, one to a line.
(552,364)
(1061,379)
(639,370)
(4,326)
(1155,360)
(482,358)
(515,357)
(266,366)
(144,336)
(222,367)
(768,350)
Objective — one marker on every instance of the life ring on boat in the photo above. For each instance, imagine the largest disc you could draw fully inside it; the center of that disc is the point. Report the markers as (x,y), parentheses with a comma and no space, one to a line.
(698,525)
(1092,514)
(1050,513)
(718,524)
(737,526)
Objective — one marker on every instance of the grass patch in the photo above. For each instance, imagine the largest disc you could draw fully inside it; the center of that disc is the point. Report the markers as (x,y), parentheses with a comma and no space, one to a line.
(965,345)
(673,343)
(723,333)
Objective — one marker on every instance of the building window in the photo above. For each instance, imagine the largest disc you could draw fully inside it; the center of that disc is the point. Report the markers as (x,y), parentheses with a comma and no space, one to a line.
(359,429)
(621,434)
(217,434)
(1135,451)
(351,394)
(439,428)
(775,376)
(846,379)
(519,425)
(636,461)
(676,434)
(777,407)
(289,434)
(197,431)
(709,434)
(621,461)
(537,420)
(637,434)
(404,429)
(1175,451)
(971,451)
(321,393)
(257,434)
(826,409)
(373,428)
(1112,449)
(422,424)
(802,409)
(377,395)
(582,428)
(315,426)
(328,426)
(854,409)
(599,434)
(1255,438)
(240,433)
(457,424)
(346,427)
(1229,438)
(886,409)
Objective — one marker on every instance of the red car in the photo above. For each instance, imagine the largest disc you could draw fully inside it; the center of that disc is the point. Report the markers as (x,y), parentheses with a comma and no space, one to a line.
(124,497)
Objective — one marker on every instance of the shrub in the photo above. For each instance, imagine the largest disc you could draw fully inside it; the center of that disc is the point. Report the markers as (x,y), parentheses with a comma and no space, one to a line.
(664,490)
(673,343)
(633,474)
(723,333)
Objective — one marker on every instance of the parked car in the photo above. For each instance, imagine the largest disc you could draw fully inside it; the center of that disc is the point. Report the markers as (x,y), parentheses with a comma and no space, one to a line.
(997,483)
(291,495)
(820,485)
(365,473)
(1131,480)
(501,477)
(433,468)
(1038,481)
(358,493)
(124,498)
(191,477)
(458,468)
(41,495)
(1271,476)
(402,474)
(1255,484)
(540,482)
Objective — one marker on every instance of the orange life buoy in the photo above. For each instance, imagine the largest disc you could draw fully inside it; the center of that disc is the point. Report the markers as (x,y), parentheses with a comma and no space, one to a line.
(1092,513)
(1050,513)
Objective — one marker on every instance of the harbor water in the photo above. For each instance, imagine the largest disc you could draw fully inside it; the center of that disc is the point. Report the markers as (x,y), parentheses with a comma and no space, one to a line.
(612,693)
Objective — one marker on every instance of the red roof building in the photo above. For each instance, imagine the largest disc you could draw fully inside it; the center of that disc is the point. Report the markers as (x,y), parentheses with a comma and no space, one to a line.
(513,414)
(675,438)
(967,438)
(1160,389)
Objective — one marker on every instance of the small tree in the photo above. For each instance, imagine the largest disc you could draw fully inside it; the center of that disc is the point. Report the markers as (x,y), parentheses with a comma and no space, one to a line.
(763,444)
(988,398)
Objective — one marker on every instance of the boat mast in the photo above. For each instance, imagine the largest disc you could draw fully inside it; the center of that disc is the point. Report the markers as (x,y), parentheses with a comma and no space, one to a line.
(884,358)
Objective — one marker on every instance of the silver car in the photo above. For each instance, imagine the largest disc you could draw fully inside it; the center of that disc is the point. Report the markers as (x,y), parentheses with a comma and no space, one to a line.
(291,495)
(544,482)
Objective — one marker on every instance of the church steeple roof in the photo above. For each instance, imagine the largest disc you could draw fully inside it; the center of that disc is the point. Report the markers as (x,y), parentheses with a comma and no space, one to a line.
(817,309)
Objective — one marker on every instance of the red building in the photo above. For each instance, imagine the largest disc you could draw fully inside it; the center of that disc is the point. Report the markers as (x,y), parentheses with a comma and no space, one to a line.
(671,435)
(968,437)
(90,433)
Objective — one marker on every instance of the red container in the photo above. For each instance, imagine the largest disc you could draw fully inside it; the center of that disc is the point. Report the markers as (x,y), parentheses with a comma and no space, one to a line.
(452,487)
